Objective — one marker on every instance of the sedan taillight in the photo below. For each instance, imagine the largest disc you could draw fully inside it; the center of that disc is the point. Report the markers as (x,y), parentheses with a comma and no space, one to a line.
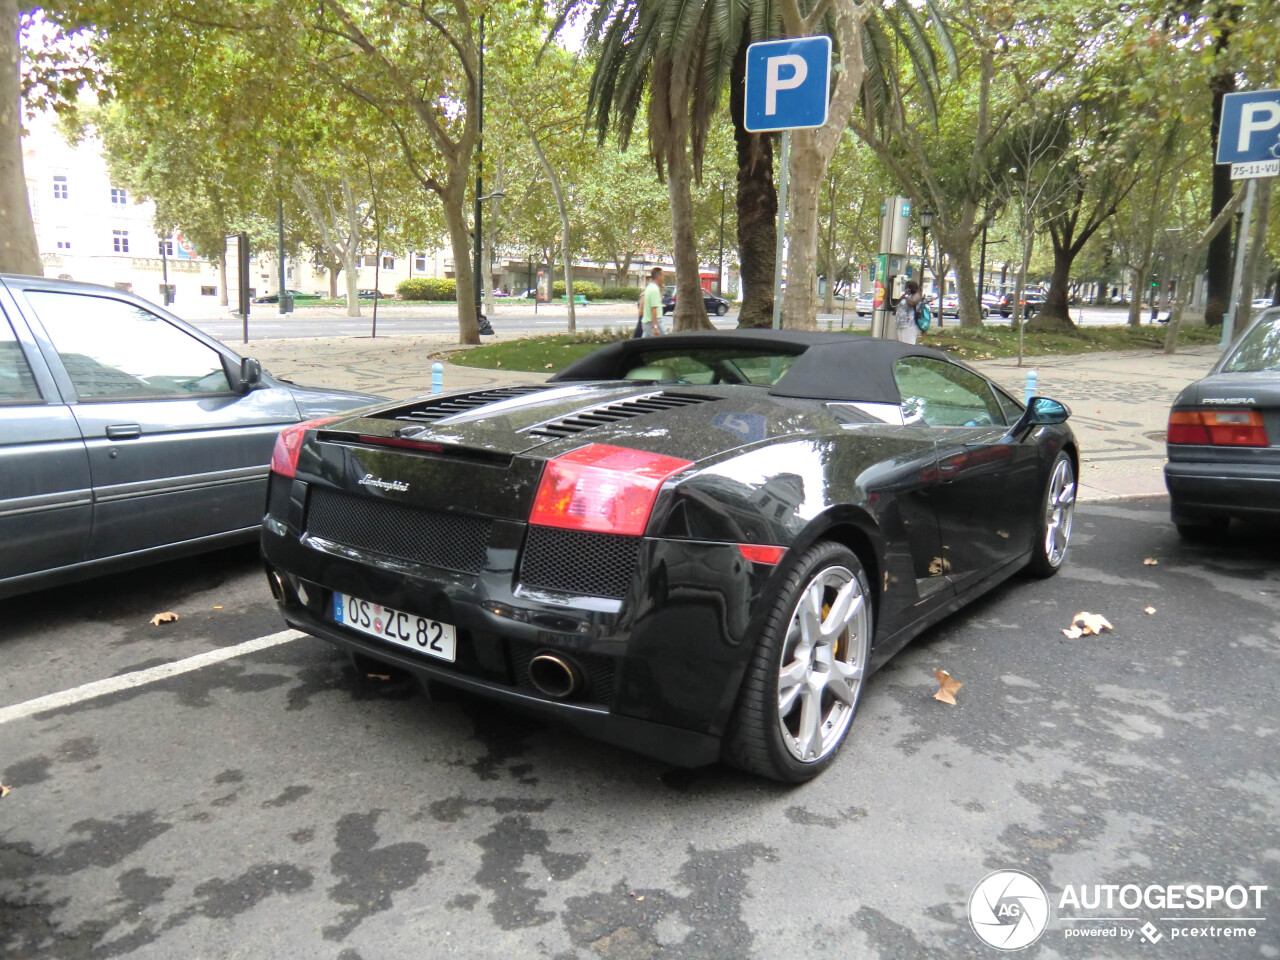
(284,459)
(1224,428)
(602,489)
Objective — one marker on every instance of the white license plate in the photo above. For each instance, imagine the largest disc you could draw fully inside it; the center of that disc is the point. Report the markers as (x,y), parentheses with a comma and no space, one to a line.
(431,637)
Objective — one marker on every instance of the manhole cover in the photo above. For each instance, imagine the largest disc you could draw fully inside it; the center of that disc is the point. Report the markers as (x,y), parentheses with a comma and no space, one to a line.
(1157,435)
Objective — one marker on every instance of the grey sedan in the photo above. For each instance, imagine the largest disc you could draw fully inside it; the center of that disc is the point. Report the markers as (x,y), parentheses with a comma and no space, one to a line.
(126,435)
(1224,437)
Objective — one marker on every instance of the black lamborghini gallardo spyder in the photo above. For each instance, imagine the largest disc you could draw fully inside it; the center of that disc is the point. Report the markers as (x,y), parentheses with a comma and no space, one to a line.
(697,546)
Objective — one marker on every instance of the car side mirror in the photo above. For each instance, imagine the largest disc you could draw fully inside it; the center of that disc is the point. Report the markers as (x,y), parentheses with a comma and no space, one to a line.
(246,376)
(1040,412)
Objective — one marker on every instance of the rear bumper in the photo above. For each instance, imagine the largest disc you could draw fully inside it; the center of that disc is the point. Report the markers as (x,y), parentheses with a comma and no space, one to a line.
(664,663)
(684,748)
(1199,488)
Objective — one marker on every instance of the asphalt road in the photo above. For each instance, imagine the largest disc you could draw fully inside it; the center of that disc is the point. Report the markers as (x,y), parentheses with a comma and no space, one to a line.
(265,324)
(277,805)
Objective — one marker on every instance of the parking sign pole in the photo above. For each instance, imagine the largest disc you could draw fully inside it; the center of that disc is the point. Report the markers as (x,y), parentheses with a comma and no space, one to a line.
(782,229)
(1229,321)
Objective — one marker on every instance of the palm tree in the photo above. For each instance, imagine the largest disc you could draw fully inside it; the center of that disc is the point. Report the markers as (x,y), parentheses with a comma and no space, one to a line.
(688,51)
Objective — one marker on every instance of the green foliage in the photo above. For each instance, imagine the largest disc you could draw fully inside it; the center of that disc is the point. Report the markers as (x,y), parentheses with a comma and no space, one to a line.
(537,354)
(621,293)
(427,288)
(581,288)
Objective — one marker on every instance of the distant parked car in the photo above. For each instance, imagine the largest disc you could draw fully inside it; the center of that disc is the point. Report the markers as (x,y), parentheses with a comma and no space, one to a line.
(716,306)
(296,294)
(865,305)
(127,436)
(370,295)
(1031,303)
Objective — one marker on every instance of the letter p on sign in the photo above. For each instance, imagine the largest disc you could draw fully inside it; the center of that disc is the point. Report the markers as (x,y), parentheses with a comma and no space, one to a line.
(774,81)
(788,84)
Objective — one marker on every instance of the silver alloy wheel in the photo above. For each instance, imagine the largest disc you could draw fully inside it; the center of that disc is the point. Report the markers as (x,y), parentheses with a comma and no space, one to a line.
(823,663)
(1059,511)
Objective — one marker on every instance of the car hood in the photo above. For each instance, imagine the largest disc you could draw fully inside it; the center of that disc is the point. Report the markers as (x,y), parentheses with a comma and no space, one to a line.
(316,402)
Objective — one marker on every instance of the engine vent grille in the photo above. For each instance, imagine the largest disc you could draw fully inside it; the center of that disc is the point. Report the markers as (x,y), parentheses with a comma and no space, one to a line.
(585,564)
(613,412)
(430,411)
(454,541)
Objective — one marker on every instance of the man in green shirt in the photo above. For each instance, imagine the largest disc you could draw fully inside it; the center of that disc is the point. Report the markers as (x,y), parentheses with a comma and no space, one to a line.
(653,304)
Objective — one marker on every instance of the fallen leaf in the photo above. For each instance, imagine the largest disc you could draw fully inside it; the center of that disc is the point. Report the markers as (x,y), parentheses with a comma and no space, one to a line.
(1150,562)
(548,366)
(167,617)
(639,898)
(217,608)
(5,791)
(946,687)
(1149,610)
(1085,624)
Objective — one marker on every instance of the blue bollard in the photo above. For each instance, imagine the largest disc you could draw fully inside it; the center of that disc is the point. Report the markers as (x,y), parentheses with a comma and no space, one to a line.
(1030,390)
(437,377)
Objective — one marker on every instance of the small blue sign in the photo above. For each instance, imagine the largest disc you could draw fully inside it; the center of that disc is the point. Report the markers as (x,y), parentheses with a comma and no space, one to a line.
(1250,129)
(788,84)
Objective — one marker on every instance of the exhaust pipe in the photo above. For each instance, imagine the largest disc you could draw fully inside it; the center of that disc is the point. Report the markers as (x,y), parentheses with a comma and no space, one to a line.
(554,675)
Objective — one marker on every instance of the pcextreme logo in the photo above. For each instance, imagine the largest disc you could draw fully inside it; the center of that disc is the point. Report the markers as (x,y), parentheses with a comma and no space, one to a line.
(1010,910)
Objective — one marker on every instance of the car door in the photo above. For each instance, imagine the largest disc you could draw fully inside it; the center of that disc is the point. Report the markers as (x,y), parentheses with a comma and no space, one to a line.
(987,481)
(46,500)
(175,454)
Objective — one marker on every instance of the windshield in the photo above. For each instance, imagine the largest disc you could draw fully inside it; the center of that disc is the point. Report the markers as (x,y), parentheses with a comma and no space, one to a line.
(710,366)
(1259,349)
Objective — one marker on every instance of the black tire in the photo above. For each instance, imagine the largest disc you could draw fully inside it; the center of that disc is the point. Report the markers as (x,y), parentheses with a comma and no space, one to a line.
(986,312)
(721,309)
(1045,563)
(754,741)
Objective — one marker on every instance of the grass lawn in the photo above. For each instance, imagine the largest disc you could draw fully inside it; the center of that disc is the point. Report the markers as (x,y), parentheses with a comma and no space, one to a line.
(551,353)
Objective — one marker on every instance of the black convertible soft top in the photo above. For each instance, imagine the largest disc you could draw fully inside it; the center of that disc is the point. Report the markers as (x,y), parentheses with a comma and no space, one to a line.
(828,366)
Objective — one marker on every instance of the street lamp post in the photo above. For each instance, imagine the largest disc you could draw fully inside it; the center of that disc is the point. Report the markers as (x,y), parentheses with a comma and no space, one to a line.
(926,221)
(475,280)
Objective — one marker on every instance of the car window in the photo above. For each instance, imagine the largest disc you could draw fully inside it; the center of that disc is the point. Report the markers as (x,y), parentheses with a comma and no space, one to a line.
(17,385)
(709,366)
(1259,349)
(941,394)
(113,350)
(1011,407)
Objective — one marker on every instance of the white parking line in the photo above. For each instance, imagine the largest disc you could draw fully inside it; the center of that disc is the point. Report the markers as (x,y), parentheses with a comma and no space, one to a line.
(100,688)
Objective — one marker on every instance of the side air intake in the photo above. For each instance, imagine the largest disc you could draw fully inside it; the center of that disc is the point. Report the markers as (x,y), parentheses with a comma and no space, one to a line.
(613,412)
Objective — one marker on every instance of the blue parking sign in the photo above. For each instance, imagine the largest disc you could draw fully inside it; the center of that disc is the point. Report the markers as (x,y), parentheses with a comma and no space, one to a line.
(788,84)
(1250,129)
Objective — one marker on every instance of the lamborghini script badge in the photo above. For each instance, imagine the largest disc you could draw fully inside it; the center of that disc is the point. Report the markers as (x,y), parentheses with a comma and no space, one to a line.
(369,480)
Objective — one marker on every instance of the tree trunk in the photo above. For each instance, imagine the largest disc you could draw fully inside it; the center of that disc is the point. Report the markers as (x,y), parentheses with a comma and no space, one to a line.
(565,244)
(460,245)
(1187,269)
(967,287)
(334,267)
(808,169)
(354,224)
(1144,271)
(1055,315)
(690,312)
(496,185)
(828,301)
(222,275)
(19,252)
(1219,261)
(757,206)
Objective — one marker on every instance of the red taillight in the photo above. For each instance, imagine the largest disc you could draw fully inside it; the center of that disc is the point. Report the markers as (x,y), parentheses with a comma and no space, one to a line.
(284,459)
(762,553)
(1224,428)
(603,489)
